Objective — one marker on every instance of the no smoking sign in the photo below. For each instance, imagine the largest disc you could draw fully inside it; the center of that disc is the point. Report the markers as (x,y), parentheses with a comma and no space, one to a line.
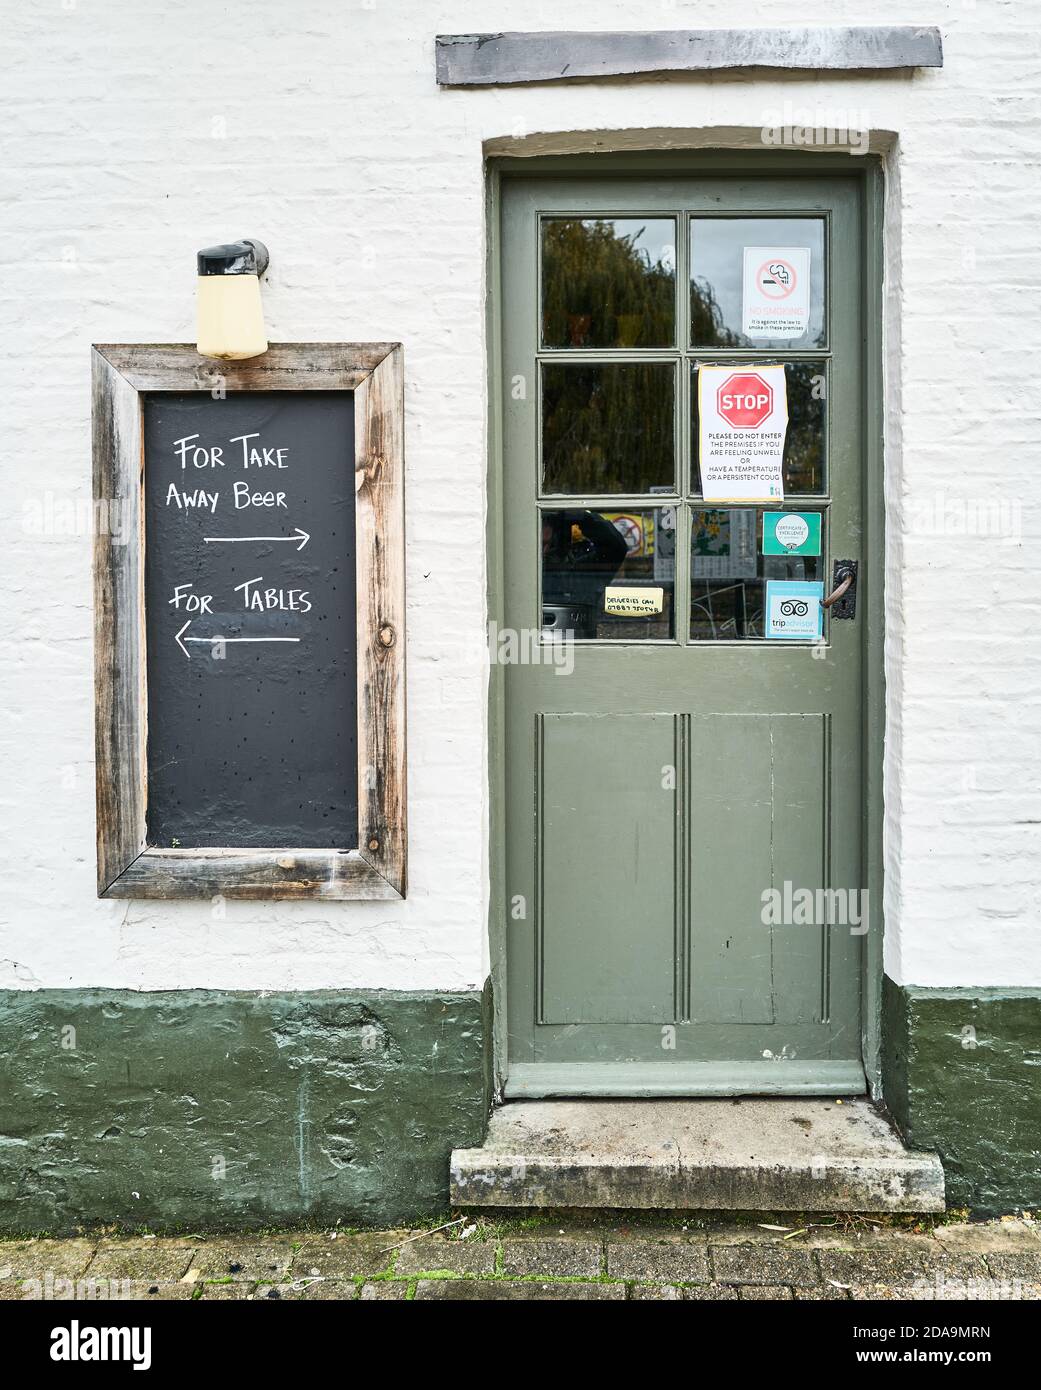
(775,301)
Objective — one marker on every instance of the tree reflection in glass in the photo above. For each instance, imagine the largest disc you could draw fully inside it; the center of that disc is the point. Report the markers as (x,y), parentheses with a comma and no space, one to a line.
(608,282)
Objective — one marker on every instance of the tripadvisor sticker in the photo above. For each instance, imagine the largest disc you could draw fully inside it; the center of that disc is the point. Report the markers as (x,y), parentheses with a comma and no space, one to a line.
(793,610)
(791,533)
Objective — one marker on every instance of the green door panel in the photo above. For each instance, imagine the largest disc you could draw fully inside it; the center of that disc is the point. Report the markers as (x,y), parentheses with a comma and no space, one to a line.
(801,796)
(732,816)
(607,865)
(660,794)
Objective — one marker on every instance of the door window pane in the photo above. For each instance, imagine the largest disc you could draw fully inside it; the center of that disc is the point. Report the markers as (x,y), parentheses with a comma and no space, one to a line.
(608,282)
(607,428)
(729,572)
(735,298)
(608,574)
(803,465)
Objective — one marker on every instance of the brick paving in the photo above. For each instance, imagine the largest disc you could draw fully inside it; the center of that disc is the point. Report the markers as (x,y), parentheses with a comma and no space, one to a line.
(549,1258)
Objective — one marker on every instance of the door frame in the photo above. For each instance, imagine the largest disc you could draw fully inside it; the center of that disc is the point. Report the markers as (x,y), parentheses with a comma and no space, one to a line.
(871,588)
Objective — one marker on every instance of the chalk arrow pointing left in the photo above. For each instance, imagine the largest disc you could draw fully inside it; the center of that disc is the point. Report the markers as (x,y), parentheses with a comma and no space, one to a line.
(298,535)
(180,639)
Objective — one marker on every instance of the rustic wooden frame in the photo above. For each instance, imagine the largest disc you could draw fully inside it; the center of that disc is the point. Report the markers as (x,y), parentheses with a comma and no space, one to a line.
(128,867)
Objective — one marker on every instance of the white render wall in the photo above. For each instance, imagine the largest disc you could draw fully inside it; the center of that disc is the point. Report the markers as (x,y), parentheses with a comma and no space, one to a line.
(135,133)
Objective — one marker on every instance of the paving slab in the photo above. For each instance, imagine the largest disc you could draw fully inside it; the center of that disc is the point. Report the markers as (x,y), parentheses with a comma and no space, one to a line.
(135,1290)
(35,1259)
(764,1154)
(157,1261)
(346,1257)
(457,1256)
(146,1291)
(309,1291)
(819,1236)
(527,1290)
(763,1264)
(715,1292)
(674,1261)
(692,1230)
(1014,1268)
(765,1291)
(769,1231)
(985,1237)
(899,1267)
(558,1256)
(657,1292)
(383,1291)
(235,1290)
(267,1261)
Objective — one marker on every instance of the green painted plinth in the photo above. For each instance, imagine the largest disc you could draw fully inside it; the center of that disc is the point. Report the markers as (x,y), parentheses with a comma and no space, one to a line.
(962,1076)
(226,1110)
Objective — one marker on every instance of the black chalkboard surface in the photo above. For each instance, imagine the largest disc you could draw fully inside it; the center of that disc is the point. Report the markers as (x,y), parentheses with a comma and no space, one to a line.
(250,617)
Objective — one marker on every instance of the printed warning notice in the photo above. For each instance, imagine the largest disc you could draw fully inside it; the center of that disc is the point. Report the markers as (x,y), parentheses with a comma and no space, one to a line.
(742,423)
(775,301)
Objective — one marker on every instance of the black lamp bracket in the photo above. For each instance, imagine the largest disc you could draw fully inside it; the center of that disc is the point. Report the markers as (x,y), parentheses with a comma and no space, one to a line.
(261,253)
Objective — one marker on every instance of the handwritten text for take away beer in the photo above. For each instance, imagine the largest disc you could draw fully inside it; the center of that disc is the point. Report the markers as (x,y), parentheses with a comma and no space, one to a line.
(241,454)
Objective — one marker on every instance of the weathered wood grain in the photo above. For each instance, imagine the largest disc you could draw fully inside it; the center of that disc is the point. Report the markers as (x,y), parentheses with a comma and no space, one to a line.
(127,867)
(120,700)
(482,60)
(284,367)
(379,477)
(272,874)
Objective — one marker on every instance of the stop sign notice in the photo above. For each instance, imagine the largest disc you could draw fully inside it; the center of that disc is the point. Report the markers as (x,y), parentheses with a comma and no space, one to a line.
(745,400)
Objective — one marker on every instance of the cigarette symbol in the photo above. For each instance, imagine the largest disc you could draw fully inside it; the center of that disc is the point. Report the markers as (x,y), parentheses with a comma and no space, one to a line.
(777,279)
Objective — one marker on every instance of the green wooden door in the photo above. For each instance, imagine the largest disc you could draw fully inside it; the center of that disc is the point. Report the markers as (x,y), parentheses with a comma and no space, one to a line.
(684,777)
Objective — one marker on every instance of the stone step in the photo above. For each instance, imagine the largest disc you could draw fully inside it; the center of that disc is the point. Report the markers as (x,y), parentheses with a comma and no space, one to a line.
(769,1154)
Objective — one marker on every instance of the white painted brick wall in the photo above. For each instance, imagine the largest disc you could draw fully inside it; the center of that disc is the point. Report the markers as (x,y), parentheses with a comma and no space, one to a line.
(133,134)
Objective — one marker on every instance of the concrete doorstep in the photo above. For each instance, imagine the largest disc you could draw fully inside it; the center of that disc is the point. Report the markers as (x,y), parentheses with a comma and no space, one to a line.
(778,1154)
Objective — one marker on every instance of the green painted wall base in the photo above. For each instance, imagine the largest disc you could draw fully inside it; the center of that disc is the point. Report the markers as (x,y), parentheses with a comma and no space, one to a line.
(219,1110)
(962,1075)
(214,1110)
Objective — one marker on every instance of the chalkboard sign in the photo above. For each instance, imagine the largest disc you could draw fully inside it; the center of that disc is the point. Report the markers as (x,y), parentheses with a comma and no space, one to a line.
(249,622)
(250,603)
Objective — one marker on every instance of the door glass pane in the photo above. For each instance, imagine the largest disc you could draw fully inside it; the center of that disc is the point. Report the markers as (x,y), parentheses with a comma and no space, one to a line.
(609,574)
(729,571)
(607,428)
(757,282)
(608,282)
(803,463)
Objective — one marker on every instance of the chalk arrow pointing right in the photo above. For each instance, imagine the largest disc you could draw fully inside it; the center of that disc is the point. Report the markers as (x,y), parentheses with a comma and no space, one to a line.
(298,535)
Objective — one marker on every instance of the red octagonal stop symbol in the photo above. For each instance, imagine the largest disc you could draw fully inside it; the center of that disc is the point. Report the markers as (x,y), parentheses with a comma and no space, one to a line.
(745,400)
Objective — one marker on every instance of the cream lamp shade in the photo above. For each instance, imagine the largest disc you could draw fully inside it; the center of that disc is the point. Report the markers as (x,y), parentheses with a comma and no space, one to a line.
(230,314)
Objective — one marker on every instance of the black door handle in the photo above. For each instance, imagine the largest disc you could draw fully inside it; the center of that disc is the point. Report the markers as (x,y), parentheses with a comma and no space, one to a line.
(843,597)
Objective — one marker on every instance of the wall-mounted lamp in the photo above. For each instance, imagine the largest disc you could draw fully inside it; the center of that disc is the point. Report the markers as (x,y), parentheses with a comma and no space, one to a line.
(230,315)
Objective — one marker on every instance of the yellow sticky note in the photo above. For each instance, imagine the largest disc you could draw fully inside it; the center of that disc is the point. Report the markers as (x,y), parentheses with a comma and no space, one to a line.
(633,602)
